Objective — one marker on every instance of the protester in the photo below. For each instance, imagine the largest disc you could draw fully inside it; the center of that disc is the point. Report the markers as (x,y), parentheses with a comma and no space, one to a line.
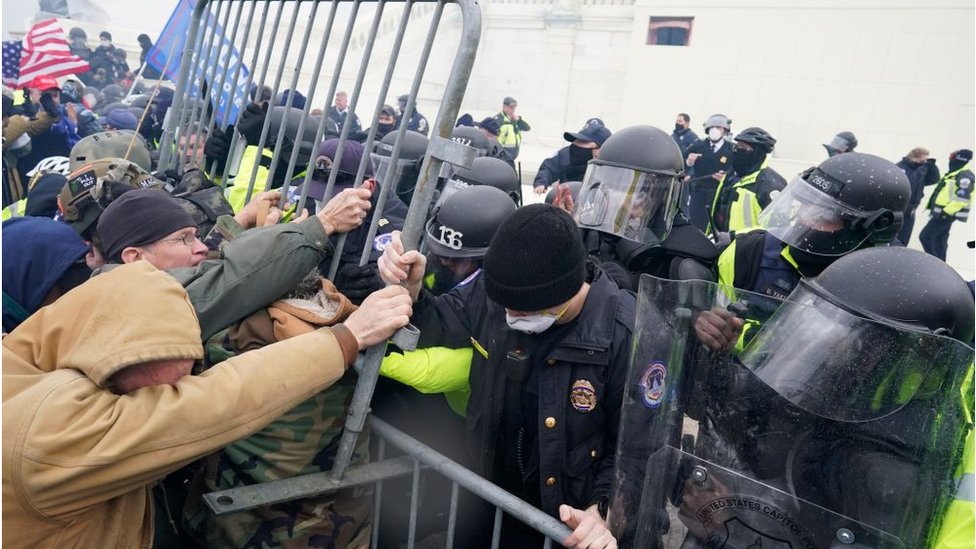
(98,404)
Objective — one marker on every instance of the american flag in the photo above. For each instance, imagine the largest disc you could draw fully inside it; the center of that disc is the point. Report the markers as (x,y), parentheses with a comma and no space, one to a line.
(44,50)
(11,61)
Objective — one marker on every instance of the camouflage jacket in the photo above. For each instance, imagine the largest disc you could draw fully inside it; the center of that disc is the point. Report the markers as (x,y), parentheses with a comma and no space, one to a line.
(302,441)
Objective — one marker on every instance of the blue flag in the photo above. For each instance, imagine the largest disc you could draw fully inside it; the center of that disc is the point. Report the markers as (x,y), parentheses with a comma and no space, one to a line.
(173,39)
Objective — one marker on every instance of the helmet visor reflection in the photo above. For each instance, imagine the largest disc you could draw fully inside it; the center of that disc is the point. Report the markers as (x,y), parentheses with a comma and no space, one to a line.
(814,222)
(628,203)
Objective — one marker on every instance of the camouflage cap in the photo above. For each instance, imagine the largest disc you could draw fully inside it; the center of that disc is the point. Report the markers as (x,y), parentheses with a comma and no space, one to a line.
(96,184)
(110,144)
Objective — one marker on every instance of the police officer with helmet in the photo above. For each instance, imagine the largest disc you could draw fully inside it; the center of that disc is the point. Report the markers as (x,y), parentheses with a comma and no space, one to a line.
(459,232)
(403,176)
(628,210)
(747,189)
(848,202)
(486,170)
(708,159)
(839,424)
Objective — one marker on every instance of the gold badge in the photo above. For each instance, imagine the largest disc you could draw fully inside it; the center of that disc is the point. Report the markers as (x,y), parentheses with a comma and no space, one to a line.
(583,396)
(722,159)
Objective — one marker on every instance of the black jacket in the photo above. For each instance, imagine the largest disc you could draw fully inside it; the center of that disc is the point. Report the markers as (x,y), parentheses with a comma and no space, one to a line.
(586,359)
(920,175)
(710,161)
(557,168)
(685,138)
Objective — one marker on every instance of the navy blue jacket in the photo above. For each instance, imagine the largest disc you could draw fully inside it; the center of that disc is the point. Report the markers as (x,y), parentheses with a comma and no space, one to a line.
(580,378)
(685,138)
(920,175)
(37,252)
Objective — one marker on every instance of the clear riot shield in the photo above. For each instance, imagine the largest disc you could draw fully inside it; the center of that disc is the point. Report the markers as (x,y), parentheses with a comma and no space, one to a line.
(826,430)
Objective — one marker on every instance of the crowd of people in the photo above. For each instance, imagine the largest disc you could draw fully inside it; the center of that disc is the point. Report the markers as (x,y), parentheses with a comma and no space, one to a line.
(168,335)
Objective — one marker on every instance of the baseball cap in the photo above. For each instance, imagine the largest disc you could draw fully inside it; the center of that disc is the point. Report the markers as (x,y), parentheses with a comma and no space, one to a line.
(591,132)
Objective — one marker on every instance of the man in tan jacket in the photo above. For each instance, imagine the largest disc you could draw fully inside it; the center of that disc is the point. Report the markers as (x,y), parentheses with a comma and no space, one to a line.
(98,404)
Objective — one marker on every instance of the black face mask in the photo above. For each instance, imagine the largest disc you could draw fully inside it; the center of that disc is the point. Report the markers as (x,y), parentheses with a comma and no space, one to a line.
(955,164)
(811,264)
(383,129)
(746,162)
(678,128)
(579,155)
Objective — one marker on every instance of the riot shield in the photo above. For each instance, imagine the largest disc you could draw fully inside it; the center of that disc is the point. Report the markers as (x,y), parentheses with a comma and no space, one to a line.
(826,430)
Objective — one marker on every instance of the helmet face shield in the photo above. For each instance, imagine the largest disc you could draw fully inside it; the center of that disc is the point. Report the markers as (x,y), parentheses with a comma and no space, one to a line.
(815,222)
(387,172)
(844,367)
(628,203)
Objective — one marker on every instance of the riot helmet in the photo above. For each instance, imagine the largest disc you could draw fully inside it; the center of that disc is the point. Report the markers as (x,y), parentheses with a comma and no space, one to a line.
(404,175)
(110,144)
(291,118)
(91,187)
(631,190)
(843,142)
(487,170)
(463,225)
(718,121)
(472,137)
(867,322)
(846,202)
(139,101)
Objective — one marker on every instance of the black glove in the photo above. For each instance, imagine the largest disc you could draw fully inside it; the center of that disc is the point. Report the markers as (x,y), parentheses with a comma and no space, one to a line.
(47,102)
(251,122)
(217,146)
(357,282)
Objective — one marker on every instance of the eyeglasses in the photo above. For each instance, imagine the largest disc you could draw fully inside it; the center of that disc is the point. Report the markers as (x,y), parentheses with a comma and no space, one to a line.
(187,239)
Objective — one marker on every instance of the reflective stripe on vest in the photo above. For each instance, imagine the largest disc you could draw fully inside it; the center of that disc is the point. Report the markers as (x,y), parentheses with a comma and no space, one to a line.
(966,489)
(742,213)
(946,196)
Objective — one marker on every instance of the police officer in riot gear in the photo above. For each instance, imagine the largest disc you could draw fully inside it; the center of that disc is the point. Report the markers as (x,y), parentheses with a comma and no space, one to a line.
(458,234)
(486,170)
(848,202)
(839,424)
(403,176)
(641,229)
(747,189)
(843,142)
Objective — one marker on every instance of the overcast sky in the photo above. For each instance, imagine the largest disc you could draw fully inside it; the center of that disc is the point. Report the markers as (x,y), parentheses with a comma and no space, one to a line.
(146,16)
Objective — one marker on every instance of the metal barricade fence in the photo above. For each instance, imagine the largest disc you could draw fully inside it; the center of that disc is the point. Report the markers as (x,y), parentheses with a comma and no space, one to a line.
(212,66)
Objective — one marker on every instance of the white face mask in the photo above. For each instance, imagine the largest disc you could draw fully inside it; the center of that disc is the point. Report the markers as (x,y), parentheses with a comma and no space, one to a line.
(533,324)
(715,134)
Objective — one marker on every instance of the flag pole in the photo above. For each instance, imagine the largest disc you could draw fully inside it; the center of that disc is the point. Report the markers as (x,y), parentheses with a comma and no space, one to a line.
(152,96)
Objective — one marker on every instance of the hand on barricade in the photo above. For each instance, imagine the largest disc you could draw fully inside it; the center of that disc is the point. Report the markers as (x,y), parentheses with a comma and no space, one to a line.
(345,211)
(589,529)
(399,267)
(251,213)
(381,314)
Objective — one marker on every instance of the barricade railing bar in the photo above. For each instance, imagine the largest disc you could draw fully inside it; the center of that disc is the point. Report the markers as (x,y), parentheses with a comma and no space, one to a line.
(419,456)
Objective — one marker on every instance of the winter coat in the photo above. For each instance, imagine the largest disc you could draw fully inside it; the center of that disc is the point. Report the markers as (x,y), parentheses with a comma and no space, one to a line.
(78,459)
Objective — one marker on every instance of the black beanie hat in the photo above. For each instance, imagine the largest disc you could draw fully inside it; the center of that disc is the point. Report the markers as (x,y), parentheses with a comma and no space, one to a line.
(535,260)
(139,218)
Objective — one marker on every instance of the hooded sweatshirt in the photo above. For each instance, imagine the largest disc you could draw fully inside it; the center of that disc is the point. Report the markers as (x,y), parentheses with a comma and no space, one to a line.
(37,252)
(78,459)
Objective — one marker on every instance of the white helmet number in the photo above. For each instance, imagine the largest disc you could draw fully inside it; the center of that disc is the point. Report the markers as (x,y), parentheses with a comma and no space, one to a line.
(450,238)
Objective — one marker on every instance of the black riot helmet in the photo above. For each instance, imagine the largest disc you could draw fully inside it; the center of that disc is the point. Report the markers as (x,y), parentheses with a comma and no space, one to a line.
(868,327)
(758,138)
(407,170)
(472,137)
(903,286)
(291,118)
(465,223)
(632,188)
(848,201)
(487,170)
